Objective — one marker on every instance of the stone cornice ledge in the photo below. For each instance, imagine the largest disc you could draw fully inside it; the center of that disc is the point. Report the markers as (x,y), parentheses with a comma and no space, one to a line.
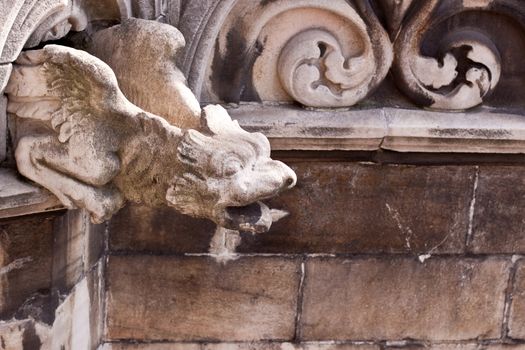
(18,197)
(483,130)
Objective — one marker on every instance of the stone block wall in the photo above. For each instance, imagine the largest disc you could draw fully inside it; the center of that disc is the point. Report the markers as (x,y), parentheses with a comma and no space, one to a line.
(26,259)
(51,270)
(372,256)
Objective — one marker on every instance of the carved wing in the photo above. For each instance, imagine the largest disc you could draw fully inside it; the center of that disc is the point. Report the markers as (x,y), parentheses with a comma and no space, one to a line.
(64,88)
(143,55)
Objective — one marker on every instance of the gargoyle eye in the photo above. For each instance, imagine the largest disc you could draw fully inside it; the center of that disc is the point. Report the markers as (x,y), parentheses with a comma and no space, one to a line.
(231,167)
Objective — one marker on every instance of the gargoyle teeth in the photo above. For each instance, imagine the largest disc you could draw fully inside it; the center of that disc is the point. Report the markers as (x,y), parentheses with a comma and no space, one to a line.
(253,218)
(278,214)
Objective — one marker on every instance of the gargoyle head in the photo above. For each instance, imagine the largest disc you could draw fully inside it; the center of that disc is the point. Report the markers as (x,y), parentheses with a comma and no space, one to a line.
(228,171)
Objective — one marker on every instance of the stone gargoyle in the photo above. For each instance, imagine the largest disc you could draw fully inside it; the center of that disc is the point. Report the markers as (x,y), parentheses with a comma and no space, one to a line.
(82,139)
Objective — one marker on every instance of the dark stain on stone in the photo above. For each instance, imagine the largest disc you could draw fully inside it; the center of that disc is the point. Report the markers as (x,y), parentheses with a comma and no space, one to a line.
(323,131)
(416,93)
(267,2)
(39,306)
(480,133)
(231,74)
(166,231)
(2,342)
(258,128)
(30,340)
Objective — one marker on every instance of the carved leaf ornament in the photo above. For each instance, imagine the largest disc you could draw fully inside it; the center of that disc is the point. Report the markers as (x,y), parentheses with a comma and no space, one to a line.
(315,71)
(467,70)
(326,54)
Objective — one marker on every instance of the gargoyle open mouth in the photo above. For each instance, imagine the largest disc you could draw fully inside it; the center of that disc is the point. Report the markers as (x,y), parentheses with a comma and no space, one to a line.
(254,218)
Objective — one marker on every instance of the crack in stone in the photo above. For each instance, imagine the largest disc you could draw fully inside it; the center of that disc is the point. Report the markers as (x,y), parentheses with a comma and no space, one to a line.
(406,230)
(472,207)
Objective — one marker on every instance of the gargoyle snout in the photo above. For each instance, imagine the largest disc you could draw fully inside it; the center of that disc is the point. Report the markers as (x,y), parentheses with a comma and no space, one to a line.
(278,175)
(288,175)
(267,179)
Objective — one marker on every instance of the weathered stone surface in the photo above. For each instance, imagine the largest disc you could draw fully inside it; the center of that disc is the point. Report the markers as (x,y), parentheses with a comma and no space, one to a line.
(78,246)
(146,85)
(292,43)
(281,38)
(3,126)
(498,213)
(431,63)
(467,346)
(110,151)
(5,72)
(290,127)
(485,131)
(24,334)
(361,208)
(398,298)
(26,254)
(79,319)
(517,311)
(311,346)
(19,19)
(361,189)
(198,299)
(421,71)
(237,346)
(138,228)
(421,74)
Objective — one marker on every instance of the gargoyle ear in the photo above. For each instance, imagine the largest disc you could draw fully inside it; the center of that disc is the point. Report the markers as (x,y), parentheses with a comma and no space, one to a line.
(216,120)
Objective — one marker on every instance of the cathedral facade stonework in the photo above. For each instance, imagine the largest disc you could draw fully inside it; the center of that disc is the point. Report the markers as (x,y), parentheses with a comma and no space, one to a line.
(262,174)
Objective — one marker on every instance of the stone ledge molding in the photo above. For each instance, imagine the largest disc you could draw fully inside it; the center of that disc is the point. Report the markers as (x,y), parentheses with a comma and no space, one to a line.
(403,130)
(19,198)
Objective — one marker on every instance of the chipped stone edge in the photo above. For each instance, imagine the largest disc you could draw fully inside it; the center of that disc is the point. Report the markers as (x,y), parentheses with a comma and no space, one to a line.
(289,127)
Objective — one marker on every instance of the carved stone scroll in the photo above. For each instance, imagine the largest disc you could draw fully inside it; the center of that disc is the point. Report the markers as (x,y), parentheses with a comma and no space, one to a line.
(78,136)
(449,54)
(19,19)
(319,53)
(467,65)
(316,69)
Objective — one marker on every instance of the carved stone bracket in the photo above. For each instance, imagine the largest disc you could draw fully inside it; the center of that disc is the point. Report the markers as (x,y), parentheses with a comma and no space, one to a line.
(395,129)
